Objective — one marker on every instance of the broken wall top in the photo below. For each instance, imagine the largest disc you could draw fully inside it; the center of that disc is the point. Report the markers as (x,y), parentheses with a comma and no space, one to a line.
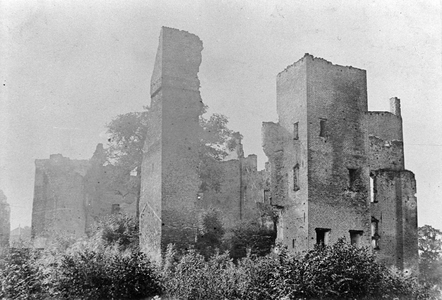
(177,61)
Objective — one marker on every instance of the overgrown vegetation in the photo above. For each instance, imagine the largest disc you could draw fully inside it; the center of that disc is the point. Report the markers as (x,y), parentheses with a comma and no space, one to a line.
(108,265)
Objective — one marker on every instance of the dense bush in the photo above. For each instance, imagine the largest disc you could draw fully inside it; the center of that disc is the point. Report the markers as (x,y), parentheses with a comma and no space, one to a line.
(249,237)
(340,271)
(20,277)
(105,275)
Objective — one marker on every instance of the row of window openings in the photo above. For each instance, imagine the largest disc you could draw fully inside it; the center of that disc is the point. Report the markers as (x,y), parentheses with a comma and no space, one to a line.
(322,123)
(352,181)
(323,235)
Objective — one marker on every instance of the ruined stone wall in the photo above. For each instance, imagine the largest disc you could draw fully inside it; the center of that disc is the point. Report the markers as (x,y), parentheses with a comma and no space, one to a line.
(285,144)
(5,225)
(241,189)
(170,179)
(337,98)
(394,208)
(70,196)
(58,206)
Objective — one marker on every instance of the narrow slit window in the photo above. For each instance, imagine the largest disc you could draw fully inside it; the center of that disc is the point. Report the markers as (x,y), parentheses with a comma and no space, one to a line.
(322,129)
(352,178)
(293,243)
(296,178)
(356,237)
(322,236)
(295,131)
(373,198)
(375,233)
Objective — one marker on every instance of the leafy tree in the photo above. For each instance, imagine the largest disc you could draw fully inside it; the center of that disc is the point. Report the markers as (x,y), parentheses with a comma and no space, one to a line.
(430,257)
(128,133)
(210,232)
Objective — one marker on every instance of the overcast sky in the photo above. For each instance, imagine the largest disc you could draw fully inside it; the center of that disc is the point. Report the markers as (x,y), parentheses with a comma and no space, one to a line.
(68,67)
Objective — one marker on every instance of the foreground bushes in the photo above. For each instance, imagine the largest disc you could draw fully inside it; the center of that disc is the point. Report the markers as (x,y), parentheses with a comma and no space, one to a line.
(340,271)
(109,266)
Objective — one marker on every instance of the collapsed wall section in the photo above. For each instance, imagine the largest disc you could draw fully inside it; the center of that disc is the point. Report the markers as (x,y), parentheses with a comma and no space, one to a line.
(170,178)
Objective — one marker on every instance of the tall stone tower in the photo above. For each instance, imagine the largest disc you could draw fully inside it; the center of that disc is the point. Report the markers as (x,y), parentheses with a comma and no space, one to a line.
(330,159)
(170,178)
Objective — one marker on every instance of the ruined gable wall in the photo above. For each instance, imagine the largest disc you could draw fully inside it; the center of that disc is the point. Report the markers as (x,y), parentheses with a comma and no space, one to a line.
(168,215)
(337,96)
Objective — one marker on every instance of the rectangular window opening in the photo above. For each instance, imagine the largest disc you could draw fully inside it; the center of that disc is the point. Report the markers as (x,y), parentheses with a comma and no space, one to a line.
(375,233)
(296,178)
(356,237)
(295,131)
(373,188)
(322,236)
(352,178)
(322,128)
(293,243)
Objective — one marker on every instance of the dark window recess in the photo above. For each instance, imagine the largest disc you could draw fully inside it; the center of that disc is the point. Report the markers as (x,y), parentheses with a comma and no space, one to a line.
(375,233)
(373,191)
(115,208)
(352,179)
(356,237)
(293,243)
(322,129)
(295,131)
(267,197)
(296,177)
(322,236)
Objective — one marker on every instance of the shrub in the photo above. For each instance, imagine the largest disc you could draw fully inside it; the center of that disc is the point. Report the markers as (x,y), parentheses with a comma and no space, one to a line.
(110,274)
(210,233)
(20,277)
(249,237)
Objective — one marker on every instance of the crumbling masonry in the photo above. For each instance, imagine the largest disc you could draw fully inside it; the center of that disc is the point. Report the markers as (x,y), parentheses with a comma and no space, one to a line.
(70,195)
(335,169)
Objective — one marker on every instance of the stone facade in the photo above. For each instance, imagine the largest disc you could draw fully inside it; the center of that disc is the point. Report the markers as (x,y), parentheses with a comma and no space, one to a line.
(5,225)
(170,180)
(337,170)
(69,196)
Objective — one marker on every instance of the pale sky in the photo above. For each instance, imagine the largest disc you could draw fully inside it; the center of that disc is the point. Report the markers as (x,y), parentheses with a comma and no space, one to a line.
(68,67)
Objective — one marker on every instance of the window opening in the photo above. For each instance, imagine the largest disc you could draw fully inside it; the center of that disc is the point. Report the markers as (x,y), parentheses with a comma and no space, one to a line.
(199,196)
(352,178)
(356,237)
(296,177)
(115,208)
(267,197)
(322,127)
(322,236)
(373,188)
(293,243)
(375,233)
(295,131)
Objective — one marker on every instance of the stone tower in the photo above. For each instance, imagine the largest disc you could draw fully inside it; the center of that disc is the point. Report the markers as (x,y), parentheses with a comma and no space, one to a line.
(332,162)
(170,178)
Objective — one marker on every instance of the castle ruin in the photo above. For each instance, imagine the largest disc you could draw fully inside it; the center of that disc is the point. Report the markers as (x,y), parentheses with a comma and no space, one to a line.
(335,169)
